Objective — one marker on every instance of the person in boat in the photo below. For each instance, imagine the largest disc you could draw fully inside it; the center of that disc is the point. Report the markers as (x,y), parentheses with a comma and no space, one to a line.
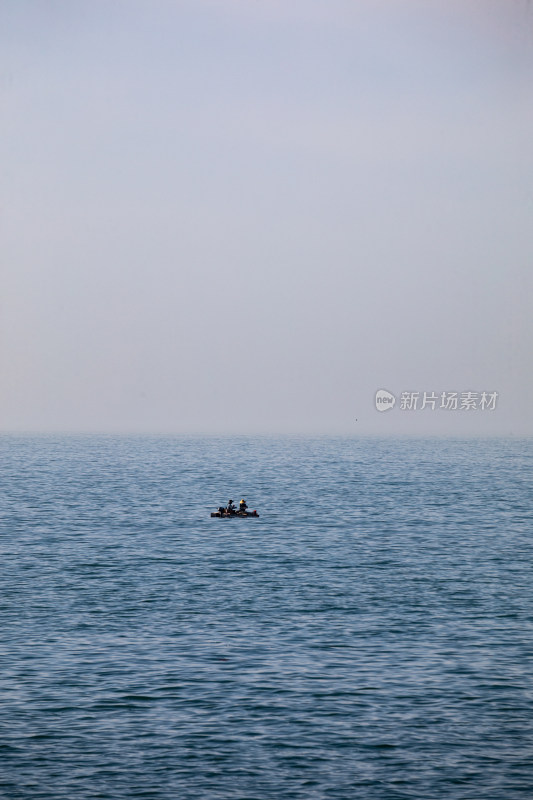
(230,509)
(242,505)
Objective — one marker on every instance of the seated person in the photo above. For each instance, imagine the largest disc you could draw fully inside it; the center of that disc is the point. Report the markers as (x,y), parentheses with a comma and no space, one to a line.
(242,505)
(230,507)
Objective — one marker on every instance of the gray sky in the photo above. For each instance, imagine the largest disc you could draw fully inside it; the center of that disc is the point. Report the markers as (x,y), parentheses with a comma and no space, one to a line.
(236,216)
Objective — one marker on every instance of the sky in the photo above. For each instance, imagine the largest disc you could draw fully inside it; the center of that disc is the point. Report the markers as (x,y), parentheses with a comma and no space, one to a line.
(226,216)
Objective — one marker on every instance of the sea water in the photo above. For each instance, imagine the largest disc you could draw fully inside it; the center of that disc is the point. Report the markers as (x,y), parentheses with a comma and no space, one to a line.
(369,636)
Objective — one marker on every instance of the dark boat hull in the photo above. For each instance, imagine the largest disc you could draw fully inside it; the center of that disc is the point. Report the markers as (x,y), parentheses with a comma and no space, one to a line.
(236,515)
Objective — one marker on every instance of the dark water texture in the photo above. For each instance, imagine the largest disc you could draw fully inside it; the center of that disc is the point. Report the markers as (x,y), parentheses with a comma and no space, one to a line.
(370,636)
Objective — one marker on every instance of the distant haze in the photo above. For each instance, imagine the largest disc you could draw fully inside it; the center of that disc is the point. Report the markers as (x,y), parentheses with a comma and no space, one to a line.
(249,216)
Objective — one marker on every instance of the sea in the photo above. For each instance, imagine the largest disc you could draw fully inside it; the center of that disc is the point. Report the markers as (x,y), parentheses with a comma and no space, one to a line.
(369,636)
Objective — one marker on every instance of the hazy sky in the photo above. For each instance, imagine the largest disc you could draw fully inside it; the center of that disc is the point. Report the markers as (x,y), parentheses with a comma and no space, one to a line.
(248,216)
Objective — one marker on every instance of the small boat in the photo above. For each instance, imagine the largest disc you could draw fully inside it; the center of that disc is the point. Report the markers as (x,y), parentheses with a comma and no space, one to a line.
(223,513)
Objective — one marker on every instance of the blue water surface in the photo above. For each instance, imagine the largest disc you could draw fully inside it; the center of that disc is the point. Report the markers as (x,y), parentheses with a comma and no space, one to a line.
(369,636)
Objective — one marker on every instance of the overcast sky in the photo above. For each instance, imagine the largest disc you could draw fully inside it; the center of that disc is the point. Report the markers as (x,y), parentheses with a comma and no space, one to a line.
(237,216)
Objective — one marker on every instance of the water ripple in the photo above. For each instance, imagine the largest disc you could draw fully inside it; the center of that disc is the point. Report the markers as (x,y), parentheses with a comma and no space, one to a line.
(370,635)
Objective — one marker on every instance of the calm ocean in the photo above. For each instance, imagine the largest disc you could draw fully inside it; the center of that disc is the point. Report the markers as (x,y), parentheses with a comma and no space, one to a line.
(370,636)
